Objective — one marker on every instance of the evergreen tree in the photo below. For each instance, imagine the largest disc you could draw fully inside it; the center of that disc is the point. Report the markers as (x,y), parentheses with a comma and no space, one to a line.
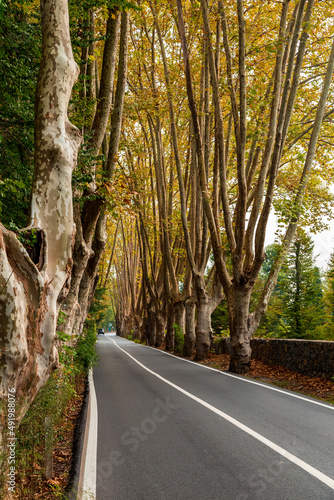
(296,309)
(301,286)
(329,297)
(219,318)
(274,323)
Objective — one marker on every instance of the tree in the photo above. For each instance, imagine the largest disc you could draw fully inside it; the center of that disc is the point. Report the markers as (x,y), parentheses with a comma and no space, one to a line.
(35,267)
(329,297)
(196,239)
(272,323)
(296,307)
(302,292)
(257,156)
(90,208)
(238,128)
(153,159)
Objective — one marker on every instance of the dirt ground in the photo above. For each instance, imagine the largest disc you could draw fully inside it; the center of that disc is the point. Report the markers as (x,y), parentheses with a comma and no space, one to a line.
(316,387)
(34,485)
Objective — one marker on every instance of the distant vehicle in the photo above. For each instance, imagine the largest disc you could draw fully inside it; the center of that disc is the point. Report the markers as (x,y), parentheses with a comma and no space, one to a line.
(100,331)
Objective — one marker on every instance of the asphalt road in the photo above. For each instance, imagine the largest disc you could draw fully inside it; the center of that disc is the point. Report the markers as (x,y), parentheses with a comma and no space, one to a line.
(169,429)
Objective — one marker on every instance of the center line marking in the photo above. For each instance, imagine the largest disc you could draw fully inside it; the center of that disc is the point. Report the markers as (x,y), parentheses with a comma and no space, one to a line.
(289,456)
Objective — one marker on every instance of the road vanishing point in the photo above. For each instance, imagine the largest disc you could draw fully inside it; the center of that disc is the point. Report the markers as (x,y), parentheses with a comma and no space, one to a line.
(164,428)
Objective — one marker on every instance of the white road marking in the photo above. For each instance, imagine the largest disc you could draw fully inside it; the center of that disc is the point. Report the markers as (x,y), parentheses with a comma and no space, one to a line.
(89,479)
(329,406)
(297,396)
(286,454)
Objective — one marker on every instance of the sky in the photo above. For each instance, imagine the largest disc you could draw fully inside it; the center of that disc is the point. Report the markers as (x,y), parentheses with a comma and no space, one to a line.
(324,246)
(323,242)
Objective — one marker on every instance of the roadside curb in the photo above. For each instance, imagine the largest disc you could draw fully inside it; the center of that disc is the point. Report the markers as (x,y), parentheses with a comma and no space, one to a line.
(71,491)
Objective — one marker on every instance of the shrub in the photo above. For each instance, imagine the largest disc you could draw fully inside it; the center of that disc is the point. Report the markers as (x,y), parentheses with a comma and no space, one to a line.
(85,355)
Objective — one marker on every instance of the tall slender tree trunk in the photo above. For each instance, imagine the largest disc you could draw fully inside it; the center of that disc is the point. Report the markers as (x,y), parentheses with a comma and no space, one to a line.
(89,279)
(203,323)
(89,220)
(179,321)
(160,322)
(175,320)
(190,325)
(170,335)
(151,326)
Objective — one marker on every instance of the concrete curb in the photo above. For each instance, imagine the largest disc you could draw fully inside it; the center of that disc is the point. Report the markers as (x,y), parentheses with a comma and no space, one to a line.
(71,491)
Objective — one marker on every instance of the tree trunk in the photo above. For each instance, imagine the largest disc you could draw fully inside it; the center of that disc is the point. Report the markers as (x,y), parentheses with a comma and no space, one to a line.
(137,326)
(297,298)
(179,320)
(180,314)
(81,253)
(92,218)
(127,326)
(190,335)
(34,279)
(151,326)
(160,321)
(170,336)
(89,279)
(118,324)
(203,324)
(241,328)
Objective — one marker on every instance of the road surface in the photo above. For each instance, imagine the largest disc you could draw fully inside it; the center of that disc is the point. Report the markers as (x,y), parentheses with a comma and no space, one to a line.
(168,429)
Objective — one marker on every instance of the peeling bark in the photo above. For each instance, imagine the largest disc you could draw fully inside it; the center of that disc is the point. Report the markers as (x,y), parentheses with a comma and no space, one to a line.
(203,324)
(33,281)
(206,302)
(241,328)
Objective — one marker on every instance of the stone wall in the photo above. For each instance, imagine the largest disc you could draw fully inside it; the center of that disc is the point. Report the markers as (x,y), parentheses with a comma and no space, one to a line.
(310,357)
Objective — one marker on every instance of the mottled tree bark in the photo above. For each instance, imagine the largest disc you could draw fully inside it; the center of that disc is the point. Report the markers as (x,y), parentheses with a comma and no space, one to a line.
(34,276)
(207,301)
(160,322)
(203,323)
(241,328)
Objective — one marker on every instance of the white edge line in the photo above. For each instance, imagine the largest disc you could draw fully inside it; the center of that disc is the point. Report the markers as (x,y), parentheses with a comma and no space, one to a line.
(244,379)
(289,456)
(89,480)
(324,405)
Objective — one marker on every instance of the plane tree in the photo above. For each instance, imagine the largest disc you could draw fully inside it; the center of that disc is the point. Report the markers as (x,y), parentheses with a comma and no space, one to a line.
(53,262)
(238,130)
(35,265)
(156,139)
(263,93)
(100,100)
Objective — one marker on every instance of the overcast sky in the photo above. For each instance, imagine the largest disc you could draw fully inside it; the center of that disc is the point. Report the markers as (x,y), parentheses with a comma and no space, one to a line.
(323,242)
(324,246)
